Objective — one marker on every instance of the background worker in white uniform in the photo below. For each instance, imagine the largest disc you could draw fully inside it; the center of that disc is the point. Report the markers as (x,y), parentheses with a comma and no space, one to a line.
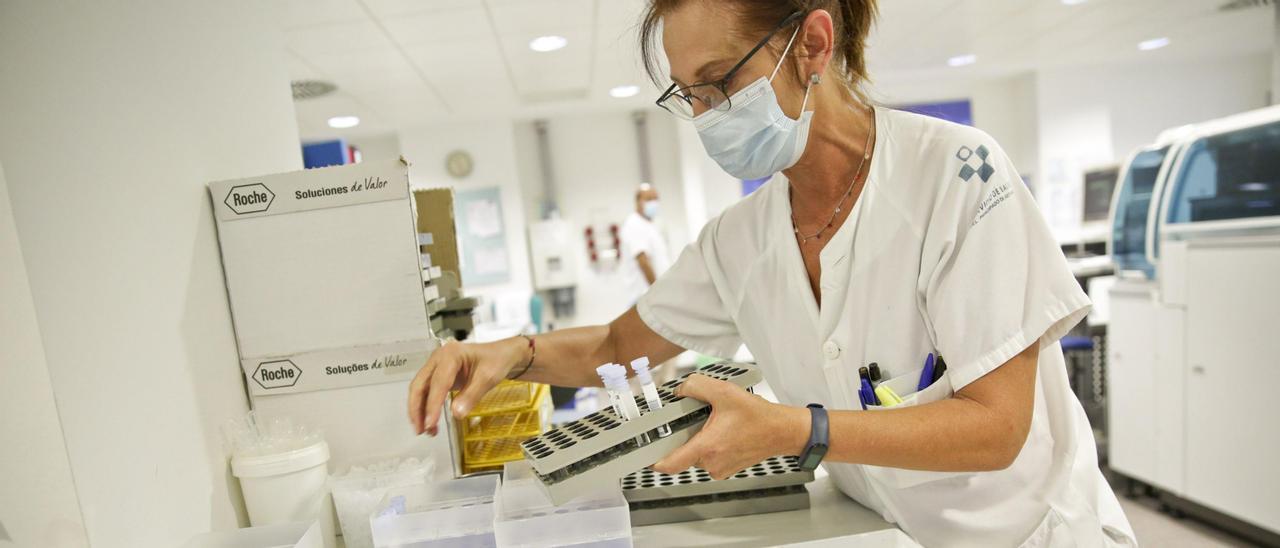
(886,237)
(644,251)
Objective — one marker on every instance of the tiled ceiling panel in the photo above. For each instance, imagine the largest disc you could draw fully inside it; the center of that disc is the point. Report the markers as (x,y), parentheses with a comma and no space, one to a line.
(403,61)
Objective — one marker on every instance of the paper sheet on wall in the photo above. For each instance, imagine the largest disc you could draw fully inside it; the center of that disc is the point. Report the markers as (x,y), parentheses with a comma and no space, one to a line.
(483,219)
(491,260)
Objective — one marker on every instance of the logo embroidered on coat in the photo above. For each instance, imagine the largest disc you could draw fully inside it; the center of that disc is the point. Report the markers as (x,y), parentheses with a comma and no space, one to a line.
(975,163)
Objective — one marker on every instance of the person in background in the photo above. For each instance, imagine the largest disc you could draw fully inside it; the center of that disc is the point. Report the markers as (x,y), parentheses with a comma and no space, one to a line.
(644,253)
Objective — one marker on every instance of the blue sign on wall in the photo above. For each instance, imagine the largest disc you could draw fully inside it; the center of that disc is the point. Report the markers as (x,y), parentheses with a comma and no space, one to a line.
(324,154)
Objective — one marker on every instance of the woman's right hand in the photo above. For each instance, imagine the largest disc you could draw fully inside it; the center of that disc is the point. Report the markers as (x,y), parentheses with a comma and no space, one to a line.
(473,369)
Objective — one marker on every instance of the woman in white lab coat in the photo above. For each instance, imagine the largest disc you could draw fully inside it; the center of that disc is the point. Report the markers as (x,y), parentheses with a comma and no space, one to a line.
(884,237)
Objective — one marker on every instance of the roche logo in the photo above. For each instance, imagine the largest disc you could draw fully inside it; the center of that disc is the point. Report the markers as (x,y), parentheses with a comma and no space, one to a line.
(276,374)
(254,198)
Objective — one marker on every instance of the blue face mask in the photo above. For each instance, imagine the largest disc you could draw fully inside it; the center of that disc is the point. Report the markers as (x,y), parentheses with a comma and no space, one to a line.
(755,138)
(651,209)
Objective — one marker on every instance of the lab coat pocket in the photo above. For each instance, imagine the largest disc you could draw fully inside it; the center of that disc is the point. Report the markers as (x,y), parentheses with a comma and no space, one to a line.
(905,386)
(901,478)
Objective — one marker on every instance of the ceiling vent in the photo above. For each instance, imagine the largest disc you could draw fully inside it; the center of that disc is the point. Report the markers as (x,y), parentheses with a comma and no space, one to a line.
(310,89)
(1236,5)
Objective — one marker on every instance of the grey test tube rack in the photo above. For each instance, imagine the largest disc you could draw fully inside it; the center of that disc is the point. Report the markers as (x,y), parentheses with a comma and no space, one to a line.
(578,457)
(775,485)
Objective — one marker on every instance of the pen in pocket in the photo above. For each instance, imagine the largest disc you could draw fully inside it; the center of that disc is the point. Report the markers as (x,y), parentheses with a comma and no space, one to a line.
(926,376)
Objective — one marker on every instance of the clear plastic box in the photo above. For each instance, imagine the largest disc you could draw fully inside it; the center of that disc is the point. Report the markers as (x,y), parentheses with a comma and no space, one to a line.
(447,513)
(525,517)
(358,491)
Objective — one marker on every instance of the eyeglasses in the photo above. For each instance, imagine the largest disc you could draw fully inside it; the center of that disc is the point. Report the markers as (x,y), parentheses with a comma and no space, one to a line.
(713,95)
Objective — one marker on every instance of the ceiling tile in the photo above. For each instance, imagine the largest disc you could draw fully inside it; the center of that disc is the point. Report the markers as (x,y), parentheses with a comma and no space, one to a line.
(336,38)
(290,14)
(440,26)
(390,8)
(462,60)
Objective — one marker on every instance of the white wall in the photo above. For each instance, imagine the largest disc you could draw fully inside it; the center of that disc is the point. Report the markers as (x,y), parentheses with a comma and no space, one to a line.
(1275,61)
(39,506)
(377,147)
(1091,116)
(492,148)
(116,114)
(597,168)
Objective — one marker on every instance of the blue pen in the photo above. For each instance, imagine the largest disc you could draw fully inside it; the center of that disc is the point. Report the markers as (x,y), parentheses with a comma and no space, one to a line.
(926,376)
(871,393)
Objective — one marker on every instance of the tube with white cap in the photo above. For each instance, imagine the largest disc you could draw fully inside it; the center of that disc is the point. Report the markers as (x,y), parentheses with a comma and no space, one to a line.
(651,399)
(620,395)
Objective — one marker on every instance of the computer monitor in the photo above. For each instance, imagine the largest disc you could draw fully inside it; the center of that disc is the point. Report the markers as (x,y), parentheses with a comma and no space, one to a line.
(1099,184)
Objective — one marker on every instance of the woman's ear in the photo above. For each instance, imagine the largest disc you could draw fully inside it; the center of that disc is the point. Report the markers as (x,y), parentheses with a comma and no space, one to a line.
(816,43)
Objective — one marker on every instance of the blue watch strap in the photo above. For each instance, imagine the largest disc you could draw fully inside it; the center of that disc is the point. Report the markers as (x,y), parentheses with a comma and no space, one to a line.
(819,438)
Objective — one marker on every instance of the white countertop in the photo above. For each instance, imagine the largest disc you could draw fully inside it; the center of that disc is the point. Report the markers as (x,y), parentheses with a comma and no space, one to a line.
(830,514)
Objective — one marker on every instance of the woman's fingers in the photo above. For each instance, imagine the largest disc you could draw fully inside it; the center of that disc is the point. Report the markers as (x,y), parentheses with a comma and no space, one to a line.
(476,387)
(682,458)
(418,394)
(441,380)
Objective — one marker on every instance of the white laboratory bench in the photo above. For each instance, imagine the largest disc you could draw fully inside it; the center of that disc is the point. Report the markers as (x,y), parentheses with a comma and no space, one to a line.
(831,514)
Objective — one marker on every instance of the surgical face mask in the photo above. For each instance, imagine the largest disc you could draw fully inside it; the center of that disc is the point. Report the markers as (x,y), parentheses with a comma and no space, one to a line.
(651,209)
(755,138)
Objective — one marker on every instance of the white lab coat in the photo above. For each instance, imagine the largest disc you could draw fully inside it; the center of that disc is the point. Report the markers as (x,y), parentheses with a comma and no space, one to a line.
(944,251)
(640,235)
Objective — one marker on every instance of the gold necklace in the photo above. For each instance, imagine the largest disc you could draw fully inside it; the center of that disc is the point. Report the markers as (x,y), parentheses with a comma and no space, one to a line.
(866,154)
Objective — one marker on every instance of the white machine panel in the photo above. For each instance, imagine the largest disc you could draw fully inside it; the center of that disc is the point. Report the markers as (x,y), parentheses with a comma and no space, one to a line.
(1131,377)
(1233,444)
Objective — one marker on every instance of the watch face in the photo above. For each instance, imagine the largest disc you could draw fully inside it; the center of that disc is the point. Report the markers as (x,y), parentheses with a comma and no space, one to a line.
(811,460)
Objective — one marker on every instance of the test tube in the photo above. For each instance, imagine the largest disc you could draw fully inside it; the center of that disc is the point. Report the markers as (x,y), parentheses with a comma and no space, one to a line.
(651,399)
(624,401)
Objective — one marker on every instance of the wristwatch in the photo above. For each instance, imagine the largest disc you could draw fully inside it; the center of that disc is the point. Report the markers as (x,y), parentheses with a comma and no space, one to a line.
(818,438)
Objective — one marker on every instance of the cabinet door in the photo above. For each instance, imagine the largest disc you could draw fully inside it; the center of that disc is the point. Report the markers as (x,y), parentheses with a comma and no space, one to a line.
(1131,415)
(1233,441)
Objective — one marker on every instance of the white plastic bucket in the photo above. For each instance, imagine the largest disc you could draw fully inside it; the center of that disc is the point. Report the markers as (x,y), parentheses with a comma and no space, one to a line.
(288,487)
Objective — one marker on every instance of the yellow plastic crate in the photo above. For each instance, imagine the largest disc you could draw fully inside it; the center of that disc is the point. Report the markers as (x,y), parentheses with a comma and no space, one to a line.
(492,452)
(524,424)
(508,397)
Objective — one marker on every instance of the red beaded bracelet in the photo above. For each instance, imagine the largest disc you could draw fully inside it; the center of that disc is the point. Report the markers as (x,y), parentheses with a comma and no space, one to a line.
(533,353)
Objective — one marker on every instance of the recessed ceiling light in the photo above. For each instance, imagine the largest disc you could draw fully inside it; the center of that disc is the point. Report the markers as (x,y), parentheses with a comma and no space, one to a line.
(1154,43)
(1074,2)
(341,122)
(547,43)
(962,60)
(622,92)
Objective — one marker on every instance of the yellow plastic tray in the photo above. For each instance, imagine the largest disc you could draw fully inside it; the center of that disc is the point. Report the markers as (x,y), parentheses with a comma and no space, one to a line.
(524,424)
(508,397)
(491,452)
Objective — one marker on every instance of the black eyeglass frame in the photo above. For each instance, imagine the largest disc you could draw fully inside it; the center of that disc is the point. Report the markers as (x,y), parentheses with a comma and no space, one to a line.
(723,83)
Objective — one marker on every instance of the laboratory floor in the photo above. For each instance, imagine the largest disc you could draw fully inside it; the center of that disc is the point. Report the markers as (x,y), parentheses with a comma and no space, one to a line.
(1155,528)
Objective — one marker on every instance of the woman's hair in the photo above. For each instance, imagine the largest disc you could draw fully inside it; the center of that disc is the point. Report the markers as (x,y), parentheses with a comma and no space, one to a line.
(851,21)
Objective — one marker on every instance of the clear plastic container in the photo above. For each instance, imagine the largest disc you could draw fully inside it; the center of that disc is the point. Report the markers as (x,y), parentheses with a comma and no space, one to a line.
(447,513)
(359,489)
(525,517)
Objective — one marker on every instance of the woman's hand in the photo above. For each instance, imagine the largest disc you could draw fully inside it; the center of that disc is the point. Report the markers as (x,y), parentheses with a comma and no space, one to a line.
(743,430)
(472,368)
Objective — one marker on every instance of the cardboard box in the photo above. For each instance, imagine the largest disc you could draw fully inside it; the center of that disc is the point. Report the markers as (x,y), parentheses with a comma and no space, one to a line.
(435,217)
(325,283)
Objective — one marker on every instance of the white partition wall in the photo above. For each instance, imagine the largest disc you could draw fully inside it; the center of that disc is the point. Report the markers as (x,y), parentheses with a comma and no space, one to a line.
(39,506)
(115,116)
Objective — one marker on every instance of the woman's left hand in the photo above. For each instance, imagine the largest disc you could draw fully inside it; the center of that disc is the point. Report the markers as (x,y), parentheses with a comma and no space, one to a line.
(743,430)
